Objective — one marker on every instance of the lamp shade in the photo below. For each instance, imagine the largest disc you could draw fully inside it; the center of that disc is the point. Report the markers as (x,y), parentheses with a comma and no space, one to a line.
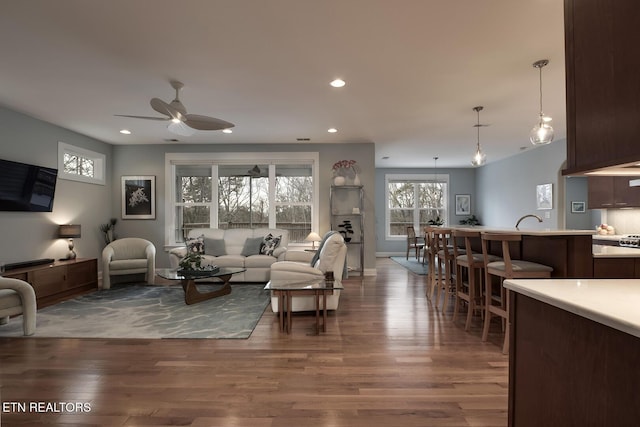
(69,231)
(313,237)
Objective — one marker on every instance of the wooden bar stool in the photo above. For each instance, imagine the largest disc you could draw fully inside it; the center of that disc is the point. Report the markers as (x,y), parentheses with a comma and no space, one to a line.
(444,265)
(429,258)
(471,290)
(498,304)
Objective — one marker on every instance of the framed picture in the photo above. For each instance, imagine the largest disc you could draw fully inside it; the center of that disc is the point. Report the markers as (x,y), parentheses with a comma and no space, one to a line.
(138,197)
(578,207)
(463,204)
(544,196)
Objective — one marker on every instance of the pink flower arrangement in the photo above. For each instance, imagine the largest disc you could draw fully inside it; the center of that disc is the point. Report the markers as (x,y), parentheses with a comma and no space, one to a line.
(340,166)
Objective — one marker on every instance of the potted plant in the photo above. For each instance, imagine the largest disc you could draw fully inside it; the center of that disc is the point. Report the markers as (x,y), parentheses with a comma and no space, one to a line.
(472,220)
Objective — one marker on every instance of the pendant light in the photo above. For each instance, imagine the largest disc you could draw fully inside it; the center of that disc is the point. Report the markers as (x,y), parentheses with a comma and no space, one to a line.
(542,132)
(479,158)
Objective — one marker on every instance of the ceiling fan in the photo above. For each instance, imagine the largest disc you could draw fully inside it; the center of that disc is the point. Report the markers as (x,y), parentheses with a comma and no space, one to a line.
(182,123)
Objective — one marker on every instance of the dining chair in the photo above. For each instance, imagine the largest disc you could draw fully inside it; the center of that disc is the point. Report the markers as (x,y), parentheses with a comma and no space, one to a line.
(414,242)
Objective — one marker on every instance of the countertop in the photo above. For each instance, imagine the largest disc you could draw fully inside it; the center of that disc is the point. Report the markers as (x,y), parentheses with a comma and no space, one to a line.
(611,302)
(604,251)
(524,231)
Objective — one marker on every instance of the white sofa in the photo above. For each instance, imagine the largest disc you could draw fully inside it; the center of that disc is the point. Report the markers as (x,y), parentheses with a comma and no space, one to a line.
(297,266)
(227,248)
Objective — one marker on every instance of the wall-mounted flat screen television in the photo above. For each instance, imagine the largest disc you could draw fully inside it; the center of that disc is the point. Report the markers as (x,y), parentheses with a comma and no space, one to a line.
(26,187)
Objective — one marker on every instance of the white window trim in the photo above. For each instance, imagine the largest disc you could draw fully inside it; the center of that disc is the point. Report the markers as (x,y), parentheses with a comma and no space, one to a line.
(215,159)
(99,164)
(441,177)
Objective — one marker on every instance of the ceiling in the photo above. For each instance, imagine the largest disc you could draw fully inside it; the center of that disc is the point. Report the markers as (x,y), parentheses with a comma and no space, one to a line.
(414,71)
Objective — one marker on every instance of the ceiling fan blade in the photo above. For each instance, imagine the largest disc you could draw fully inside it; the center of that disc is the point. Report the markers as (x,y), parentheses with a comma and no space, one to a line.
(206,123)
(164,119)
(180,128)
(163,108)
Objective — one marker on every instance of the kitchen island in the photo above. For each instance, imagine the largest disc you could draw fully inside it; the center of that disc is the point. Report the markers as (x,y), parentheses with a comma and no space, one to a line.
(569,252)
(575,347)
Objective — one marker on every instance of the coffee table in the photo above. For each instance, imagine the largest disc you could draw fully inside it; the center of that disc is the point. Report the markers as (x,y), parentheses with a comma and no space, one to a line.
(191,293)
(286,289)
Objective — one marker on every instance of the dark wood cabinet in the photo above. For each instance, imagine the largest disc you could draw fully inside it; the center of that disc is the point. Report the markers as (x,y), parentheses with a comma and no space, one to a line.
(607,192)
(616,268)
(60,279)
(603,88)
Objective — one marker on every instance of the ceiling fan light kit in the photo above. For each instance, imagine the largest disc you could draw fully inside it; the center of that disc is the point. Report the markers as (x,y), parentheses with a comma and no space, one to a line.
(542,132)
(182,123)
(479,158)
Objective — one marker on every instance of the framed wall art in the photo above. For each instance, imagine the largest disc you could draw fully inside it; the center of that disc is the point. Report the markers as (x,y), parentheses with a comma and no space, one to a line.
(578,207)
(544,196)
(463,204)
(138,197)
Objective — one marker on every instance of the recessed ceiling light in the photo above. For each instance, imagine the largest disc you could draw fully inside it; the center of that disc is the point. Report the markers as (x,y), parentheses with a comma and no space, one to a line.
(125,131)
(227,131)
(338,83)
(332,130)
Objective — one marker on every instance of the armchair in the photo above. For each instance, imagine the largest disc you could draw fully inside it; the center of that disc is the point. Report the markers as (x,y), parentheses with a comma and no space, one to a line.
(130,255)
(18,297)
(331,256)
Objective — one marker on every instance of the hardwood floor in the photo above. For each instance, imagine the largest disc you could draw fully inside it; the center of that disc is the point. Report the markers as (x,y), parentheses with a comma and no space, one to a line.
(387,359)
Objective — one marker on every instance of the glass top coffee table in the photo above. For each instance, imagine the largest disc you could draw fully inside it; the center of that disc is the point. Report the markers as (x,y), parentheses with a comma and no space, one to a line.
(188,281)
(286,289)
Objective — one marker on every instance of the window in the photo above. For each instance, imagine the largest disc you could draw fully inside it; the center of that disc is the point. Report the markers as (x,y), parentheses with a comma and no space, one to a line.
(414,200)
(79,164)
(226,190)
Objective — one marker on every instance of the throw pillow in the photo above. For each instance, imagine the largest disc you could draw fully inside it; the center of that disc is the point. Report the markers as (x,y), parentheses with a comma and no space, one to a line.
(214,247)
(252,246)
(195,244)
(269,244)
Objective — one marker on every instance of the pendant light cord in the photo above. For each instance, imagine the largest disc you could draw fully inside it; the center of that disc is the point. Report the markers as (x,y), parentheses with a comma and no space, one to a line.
(541,113)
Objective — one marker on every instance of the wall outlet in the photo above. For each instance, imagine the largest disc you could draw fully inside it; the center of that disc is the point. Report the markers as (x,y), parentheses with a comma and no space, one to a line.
(547,215)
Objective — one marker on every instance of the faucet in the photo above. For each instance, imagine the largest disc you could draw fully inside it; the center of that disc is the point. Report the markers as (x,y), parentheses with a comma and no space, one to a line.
(527,216)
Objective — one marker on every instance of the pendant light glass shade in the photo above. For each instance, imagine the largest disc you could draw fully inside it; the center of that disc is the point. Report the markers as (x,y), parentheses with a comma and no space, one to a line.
(542,132)
(479,158)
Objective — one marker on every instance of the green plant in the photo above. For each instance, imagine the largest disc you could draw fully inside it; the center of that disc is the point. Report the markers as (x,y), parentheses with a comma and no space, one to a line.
(436,221)
(191,261)
(472,220)
(108,230)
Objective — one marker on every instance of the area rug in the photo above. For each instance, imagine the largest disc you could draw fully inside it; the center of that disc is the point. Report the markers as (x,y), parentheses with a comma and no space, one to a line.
(139,311)
(412,265)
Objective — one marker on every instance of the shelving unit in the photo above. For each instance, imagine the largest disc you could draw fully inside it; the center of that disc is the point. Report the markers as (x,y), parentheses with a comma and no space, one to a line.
(346,203)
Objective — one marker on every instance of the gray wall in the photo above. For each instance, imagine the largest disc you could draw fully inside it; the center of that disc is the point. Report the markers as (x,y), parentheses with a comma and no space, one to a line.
(461,181)
(33,235)
(150,160)
(506,189)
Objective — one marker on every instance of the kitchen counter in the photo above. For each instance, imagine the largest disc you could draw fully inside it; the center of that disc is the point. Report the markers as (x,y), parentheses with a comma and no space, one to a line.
(605,251)
(525,231)
(611,302)
(575,346)
(568,252)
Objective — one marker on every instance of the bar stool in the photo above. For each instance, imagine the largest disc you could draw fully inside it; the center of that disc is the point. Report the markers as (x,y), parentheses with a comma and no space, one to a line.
(470,291)
(506,269)
(443,248)
(429,258)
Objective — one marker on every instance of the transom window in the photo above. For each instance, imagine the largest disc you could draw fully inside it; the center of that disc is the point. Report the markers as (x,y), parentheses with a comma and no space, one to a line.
(414,200)
(79,164)
(230,191)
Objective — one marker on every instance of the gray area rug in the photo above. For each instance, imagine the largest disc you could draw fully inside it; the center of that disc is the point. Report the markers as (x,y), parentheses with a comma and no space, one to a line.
(412,265)
(139,311)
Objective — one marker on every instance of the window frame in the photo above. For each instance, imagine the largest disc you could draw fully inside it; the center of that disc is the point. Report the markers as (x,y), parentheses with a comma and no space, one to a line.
(217,159)
(99,164)
(413,178)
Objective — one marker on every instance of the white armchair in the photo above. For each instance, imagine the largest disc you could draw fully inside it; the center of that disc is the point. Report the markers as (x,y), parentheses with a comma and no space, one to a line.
(127,256)
(332,256)
(18,297)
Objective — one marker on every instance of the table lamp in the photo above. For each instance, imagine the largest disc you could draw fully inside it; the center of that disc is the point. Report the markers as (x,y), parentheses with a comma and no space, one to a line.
(313,237)
(69,231)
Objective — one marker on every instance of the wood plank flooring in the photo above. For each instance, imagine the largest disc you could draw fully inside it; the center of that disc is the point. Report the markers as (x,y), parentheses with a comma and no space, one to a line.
(387,359)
